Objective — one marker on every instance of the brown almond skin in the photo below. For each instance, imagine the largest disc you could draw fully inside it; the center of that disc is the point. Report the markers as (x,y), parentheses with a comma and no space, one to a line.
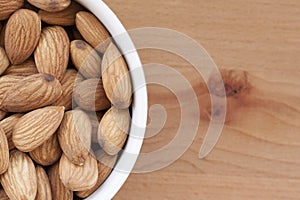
(53,47)
(19,181)
(30,93)
(74,136)
(105,166)
(59,191)
(8,7)
(22,34)
(4,152)
(27,68)
(6,82)
(116,78)
(3,195)
(51,5)
(113,130)
(70,80)
(43,185)
(62,18)
(92,30)
(4,60)
(90,95)
(37,126)
(78,178)
(48,153)
(85,59)
(7,125)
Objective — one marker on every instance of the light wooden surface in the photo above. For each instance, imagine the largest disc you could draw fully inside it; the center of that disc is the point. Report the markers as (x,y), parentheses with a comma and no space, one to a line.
(258,155)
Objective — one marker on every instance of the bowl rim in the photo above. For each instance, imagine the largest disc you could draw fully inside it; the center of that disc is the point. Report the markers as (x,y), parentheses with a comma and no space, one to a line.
(134,143)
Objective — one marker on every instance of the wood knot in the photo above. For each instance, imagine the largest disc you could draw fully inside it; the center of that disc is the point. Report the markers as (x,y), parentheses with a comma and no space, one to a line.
(234,81)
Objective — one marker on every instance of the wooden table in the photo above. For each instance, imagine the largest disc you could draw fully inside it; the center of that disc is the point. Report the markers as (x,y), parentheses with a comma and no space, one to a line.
(258,155)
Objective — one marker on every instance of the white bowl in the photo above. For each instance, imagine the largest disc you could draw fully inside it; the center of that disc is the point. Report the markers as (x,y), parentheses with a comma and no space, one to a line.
(133,146)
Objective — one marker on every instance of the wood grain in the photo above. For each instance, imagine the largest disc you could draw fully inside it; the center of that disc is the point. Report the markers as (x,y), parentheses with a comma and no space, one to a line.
(257,156)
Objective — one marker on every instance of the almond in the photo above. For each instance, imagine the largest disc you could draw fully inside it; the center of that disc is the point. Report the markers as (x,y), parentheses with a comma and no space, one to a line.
(7,125)
(34,128)
(25,69)
(113,130)
(51,5)
(2,114)
(74,136)
(70,80)
(19,181)
(63,18)
(30,93)
(90,95)
(85,59)
(43,185)
(92,30)
(22,34)
(116,78)
(8,7)
(4,152)
(105,167)
(3,195)
(48,153)
(78,178)
(52,53)
(6,82)
(59,191)
(4,61)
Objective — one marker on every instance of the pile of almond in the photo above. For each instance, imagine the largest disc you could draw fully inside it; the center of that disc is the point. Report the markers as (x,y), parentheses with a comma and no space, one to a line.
(65,95)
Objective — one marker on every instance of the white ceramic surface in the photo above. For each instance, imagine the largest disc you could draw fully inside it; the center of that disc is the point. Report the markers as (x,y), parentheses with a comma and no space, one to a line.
(139,108)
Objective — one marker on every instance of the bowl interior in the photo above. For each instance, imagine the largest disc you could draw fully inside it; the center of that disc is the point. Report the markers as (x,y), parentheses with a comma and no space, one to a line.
(128,158)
